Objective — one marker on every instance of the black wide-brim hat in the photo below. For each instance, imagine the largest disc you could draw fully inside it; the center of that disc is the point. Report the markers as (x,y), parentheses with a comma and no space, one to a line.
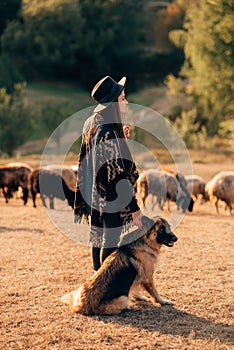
(106,91)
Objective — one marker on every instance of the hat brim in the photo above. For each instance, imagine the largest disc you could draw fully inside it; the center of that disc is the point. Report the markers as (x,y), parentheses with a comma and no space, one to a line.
(101,106)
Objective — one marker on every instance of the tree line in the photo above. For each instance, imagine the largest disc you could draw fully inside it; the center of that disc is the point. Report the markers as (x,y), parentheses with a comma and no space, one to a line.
(206,78)
(187,43)
(71,39)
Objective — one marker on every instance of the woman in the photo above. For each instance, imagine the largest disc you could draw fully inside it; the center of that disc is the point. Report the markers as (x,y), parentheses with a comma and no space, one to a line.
(105,196)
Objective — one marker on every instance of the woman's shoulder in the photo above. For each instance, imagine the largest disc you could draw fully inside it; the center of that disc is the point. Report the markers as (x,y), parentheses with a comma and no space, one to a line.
(94,121)
(88,124)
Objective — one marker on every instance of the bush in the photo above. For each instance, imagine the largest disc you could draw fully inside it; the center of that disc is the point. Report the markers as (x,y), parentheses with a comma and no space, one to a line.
(15,119)
(9,75)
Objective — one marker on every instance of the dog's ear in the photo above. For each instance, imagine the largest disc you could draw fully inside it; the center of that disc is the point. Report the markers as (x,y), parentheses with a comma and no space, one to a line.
(147,222)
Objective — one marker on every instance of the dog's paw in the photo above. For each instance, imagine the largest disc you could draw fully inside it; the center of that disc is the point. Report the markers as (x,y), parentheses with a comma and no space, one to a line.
(138,297)
(165,302)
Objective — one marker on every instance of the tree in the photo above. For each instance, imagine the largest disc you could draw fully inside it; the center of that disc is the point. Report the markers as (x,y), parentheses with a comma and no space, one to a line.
(15,119)
(78,39)
(45,37)
(9,74)
(113,37)
(8,11)
(207,39)
(163,18)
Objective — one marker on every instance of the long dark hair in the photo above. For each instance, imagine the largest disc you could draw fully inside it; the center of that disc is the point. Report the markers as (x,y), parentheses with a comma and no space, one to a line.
(110,115)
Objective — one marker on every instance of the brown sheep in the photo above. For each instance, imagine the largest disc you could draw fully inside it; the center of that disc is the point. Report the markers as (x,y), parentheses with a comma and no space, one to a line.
(196,186)
(67,173)
(51,185)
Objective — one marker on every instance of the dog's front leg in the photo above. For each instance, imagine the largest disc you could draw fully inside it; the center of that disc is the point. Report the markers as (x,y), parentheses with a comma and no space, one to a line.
(151,289)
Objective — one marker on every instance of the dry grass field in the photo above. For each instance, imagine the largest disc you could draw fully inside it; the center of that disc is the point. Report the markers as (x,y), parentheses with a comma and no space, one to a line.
(39,264)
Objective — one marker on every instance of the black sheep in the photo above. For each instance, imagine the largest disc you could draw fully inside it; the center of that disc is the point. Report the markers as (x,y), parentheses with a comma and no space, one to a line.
(13,176)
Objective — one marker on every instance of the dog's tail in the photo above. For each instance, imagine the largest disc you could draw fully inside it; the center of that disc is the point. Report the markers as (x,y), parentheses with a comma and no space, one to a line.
(73,299)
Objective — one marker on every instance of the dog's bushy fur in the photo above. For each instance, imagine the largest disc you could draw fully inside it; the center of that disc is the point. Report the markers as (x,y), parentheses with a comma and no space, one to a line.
(129,267)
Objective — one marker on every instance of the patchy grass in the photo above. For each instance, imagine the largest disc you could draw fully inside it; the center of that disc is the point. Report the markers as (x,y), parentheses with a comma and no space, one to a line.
(58,92)
(39,264)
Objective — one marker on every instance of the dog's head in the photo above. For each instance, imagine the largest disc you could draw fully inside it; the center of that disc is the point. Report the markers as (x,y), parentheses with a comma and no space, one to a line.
(159,229)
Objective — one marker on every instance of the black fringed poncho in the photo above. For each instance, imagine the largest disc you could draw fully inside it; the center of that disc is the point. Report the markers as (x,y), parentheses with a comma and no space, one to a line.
(102,165)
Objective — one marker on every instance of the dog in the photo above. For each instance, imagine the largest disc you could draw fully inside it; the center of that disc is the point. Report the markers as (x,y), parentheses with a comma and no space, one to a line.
(129,267)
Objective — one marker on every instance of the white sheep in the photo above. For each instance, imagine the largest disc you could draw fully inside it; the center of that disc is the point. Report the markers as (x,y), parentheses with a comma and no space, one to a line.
(164,186)
(221,187)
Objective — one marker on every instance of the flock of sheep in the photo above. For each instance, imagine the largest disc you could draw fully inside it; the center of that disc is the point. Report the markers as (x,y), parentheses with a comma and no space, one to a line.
(50,182)
(163,184)
(167,185)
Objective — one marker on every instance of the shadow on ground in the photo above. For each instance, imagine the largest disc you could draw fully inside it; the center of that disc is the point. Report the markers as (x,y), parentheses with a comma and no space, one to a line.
(168,320)
(23,229)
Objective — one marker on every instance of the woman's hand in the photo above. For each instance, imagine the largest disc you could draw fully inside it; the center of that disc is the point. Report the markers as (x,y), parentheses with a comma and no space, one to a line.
(136,216)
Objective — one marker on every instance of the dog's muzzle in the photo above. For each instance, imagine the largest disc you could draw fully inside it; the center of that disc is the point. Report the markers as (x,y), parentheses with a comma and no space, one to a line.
(168,239)
(171,243)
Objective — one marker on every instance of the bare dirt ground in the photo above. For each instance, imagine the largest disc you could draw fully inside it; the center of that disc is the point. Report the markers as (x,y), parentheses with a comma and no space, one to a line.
(39,264)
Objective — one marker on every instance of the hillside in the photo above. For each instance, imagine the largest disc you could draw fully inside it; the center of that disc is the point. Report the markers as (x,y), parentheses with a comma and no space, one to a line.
(57,94)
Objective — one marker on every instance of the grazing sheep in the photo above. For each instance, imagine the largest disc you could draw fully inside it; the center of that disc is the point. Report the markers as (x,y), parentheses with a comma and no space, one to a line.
(67,173)
(182,183)
(180,177)
(196,186)
(164,186)
(13,176)
(221,187)
(51,185)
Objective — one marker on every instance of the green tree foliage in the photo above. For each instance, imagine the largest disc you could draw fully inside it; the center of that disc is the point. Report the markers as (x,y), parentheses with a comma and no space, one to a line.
(15,119)
(8,11)
(9,74)
(207,40)
(46,37)
(79,39)
(113,35)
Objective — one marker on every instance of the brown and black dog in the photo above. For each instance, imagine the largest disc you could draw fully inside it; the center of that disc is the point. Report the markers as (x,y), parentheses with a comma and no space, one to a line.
(128,268)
